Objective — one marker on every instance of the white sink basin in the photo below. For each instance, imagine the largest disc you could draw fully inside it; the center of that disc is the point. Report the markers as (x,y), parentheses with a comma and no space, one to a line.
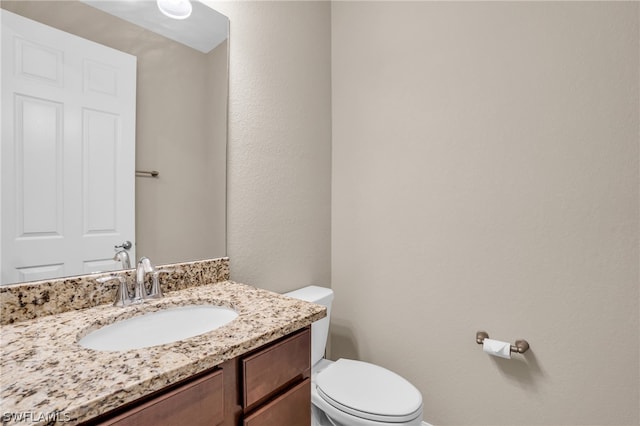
(157,328)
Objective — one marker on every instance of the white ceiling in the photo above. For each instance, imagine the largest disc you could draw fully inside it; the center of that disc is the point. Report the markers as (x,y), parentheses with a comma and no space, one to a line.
(203,30)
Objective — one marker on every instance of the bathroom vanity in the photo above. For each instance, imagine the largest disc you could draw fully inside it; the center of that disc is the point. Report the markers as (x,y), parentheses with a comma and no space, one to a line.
(269,386)
(253,371)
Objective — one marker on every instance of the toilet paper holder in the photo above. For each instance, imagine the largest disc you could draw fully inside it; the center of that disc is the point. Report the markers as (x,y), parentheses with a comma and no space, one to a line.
(520,347)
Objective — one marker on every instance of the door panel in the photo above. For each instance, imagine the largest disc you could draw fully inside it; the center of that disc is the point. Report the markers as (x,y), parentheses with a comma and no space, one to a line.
(41,272)
(100,78)
(39,62)
(37,193)
(99,143)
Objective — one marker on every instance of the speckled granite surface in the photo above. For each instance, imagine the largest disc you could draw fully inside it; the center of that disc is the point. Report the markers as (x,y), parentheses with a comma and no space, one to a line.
(44,370)
(24,301)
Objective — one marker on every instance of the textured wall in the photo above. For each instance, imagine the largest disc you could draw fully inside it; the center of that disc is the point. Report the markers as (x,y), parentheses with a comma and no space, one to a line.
(279,148)
(485,176)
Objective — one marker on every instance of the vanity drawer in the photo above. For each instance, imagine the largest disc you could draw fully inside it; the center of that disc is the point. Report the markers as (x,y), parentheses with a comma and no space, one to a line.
(292,409)
(271,369)
(200,402)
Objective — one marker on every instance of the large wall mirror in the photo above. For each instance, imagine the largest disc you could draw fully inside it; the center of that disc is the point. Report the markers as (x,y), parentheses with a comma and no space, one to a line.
(180,131)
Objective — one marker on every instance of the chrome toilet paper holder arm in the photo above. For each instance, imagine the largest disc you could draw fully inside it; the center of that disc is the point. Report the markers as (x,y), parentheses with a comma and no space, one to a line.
(520,347)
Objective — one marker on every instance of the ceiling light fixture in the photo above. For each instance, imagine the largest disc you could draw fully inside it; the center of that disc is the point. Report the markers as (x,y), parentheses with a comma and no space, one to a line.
(176,9)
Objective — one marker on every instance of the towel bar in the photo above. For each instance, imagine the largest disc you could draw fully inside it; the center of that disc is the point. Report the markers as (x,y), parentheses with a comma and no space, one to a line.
(144,173)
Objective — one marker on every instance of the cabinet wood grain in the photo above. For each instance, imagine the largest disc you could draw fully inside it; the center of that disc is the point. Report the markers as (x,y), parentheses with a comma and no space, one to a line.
(272,369)
(200,402)
(292,408)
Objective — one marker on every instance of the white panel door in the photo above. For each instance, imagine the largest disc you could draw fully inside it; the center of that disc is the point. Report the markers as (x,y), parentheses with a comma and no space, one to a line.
(68,152)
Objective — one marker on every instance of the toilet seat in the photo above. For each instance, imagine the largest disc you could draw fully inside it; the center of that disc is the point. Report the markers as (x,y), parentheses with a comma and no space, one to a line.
(369,392)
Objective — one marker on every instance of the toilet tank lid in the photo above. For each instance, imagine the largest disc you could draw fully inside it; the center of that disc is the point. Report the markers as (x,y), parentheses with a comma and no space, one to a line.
(312,293)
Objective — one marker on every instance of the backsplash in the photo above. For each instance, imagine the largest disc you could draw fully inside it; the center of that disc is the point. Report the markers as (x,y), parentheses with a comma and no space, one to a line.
(24,301)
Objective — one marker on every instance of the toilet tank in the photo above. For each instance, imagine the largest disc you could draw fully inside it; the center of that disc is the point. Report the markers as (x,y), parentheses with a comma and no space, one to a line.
(319,329)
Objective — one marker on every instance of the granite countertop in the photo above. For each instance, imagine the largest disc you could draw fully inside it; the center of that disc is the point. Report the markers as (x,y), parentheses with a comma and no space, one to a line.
(44,370)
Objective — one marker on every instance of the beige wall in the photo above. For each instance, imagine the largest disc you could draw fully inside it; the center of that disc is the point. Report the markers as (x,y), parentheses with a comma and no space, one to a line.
(180,130)
(485,177)
(181,133)
(279,157)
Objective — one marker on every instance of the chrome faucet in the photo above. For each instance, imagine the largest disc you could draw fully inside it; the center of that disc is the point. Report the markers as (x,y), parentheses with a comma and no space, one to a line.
(144,266)
(125,296)
(122,256)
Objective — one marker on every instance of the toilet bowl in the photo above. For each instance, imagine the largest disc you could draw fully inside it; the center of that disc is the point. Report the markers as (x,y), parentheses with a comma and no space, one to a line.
(354,393)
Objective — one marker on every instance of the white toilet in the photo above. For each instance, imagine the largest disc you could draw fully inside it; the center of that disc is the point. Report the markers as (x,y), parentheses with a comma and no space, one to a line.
(354,393)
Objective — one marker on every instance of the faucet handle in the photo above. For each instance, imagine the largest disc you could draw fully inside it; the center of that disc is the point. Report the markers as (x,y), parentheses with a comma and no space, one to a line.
(111,277)
(144,266)
(156,288)
(122,293)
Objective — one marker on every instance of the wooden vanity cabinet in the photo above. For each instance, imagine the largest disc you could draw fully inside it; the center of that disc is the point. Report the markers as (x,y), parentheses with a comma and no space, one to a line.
(269,386)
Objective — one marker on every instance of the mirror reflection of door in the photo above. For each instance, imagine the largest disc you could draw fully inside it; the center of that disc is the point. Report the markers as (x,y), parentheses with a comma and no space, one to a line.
(68,152)
(181,120)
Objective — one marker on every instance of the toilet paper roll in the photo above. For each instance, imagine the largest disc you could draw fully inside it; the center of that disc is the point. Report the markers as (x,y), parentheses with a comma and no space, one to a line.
(497,348)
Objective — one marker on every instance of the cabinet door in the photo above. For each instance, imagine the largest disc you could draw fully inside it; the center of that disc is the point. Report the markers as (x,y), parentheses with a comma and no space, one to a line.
(200,402)
(272,369)
(291,409)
